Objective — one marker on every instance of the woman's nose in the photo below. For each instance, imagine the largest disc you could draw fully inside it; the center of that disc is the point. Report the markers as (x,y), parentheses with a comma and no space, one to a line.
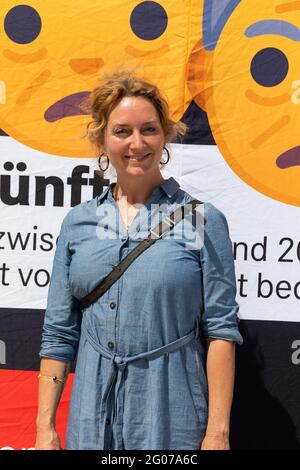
(137,140)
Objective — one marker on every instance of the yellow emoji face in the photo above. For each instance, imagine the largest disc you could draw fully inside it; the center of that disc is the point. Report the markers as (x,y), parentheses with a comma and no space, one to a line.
(252,91)
(52,54)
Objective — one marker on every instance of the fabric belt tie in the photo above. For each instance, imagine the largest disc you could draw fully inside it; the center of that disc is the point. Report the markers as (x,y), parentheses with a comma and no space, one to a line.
(118,365)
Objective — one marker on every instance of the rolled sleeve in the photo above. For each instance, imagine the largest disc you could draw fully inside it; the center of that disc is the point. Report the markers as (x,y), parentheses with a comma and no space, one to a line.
(219,316)
(62,323)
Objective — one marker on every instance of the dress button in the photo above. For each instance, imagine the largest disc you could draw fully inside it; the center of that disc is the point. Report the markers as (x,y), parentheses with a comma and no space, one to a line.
(110,344)
(124,238)
(113,305)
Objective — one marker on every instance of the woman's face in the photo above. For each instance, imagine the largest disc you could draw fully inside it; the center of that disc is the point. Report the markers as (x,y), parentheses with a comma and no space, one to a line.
(134,138)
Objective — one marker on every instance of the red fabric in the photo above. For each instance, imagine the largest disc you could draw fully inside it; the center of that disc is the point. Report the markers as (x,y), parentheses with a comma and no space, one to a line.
(18,408)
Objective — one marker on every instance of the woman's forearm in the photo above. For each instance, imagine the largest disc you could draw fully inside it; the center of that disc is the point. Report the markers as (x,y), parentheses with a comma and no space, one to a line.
(220,376)
(50,391)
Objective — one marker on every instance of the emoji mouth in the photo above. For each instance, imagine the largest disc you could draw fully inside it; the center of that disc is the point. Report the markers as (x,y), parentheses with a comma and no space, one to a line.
(66,107)
(289,158)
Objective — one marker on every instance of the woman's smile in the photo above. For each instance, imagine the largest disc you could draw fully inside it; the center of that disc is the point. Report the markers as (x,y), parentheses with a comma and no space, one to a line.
(138,158)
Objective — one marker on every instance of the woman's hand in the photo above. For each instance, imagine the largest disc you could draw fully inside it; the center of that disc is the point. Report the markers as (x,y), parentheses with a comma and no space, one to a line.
(215,442)
(47,439)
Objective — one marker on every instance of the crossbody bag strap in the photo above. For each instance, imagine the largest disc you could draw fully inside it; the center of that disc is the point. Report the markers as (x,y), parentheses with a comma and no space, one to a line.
(155,234)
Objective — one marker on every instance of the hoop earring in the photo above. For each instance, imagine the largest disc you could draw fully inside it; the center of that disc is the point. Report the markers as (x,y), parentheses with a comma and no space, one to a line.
(99,162)
(168,153)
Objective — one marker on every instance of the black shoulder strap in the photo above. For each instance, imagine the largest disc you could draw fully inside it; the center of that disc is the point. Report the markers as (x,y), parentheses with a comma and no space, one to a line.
(161,229)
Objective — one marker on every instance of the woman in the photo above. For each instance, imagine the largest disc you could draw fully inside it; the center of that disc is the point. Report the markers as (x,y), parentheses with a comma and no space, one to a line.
(160,341)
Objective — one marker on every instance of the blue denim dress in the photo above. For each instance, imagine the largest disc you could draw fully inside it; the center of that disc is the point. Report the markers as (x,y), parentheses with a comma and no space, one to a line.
(140,378)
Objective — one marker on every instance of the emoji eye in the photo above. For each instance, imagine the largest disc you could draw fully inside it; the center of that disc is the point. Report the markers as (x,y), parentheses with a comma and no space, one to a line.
(22,24)
(269,67)
(148,20)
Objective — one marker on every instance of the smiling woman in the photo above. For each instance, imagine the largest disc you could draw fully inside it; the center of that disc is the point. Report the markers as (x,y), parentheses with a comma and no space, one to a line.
(131,126)
(140,380)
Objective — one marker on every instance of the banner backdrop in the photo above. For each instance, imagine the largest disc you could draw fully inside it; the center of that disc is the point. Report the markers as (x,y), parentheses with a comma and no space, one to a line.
(229,69)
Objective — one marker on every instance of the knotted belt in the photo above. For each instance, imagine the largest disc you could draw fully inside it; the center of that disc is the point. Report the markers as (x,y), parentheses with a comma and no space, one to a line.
(118,366)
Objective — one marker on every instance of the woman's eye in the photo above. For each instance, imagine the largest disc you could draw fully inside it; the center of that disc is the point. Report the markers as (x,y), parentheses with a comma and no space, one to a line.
(269,67)
(22,24)
(127,131)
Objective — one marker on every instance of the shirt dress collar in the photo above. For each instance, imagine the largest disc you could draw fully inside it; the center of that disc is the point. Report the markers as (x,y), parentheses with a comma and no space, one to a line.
(169,186)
